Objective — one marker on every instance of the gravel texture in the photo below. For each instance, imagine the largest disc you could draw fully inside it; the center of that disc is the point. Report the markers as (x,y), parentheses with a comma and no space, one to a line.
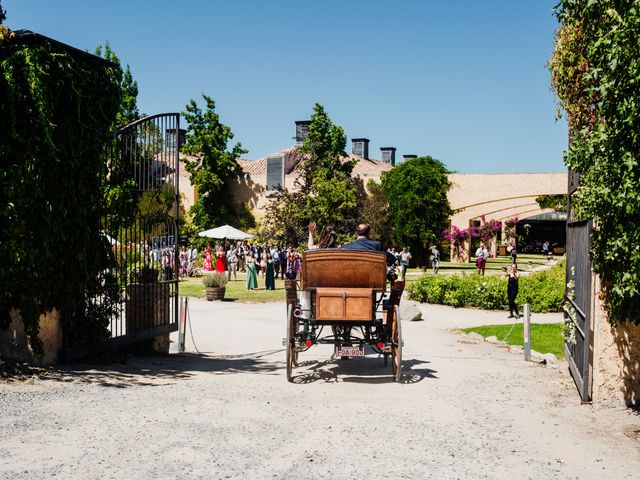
(465,410)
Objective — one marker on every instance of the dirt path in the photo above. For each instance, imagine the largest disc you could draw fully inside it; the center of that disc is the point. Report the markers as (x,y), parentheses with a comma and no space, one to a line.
(465,411)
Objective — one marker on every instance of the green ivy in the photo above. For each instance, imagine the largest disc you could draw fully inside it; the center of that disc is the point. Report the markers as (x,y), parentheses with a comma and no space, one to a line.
(57,110)
(595,70)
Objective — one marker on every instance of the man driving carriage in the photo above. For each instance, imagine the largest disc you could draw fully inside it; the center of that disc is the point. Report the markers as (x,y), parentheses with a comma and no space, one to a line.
(344,289)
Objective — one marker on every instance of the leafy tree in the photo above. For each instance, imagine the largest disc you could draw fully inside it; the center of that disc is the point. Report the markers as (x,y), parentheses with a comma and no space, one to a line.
(324,147)
(328,194)
(418,206)
(595,70)
(375,212)
(128,111)
(214,164)
(285,219)
(555,202)
(3,14)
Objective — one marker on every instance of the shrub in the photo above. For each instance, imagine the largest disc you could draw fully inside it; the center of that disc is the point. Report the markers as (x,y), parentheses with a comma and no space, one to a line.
(544,290)
(215,280)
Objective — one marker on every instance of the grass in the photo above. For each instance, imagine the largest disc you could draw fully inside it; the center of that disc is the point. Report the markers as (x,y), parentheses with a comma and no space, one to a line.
(236,291)
(493,267)
(545,337)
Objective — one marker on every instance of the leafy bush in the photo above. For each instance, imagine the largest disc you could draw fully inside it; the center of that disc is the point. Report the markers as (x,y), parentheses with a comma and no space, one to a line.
(215,280)
(544,290)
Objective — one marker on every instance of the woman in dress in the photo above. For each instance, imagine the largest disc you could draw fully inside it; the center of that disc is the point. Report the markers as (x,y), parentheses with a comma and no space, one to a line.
(183,262)
(512,290)
(252,277)
(220,259)
(208,265)
(292,264)
(270,282)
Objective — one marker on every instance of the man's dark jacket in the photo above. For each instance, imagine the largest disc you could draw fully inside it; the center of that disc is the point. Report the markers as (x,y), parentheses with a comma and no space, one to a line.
(364,244)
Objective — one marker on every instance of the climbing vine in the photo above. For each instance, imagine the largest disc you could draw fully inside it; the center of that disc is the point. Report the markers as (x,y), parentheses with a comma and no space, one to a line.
(58,107)
(595,69)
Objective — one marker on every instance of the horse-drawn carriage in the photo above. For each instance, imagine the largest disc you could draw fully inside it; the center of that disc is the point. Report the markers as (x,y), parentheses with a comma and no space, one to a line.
(344,291)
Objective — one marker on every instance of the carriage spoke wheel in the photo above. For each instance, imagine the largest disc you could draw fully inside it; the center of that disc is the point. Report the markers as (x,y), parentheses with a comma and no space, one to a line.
(291,354)
(396,345)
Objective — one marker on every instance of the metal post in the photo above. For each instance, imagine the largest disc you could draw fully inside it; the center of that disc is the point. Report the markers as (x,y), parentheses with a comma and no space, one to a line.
(182,325)
(527,333)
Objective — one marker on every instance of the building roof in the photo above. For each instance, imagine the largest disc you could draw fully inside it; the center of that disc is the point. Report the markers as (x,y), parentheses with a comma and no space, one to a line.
(293,156)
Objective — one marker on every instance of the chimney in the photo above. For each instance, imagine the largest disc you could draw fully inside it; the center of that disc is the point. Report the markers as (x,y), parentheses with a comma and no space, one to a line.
(360,147)
(409,156)
(388,155)
(302,130)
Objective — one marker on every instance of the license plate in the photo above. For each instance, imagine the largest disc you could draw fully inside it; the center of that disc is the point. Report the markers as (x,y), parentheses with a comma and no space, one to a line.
(346,351)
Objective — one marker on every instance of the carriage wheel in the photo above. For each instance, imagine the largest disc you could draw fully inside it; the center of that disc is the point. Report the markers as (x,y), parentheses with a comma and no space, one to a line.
(396,345)
(292,356)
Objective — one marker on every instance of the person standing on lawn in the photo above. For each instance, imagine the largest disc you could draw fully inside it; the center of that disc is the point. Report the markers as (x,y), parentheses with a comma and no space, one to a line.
(270,283)
(435,259)
(512,290)
(482,254)
(252,277)
(405,257)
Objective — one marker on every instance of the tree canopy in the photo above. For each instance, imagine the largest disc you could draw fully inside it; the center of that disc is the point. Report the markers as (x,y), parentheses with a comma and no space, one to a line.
(418,206)
(595,69)
(328,193)
(213,163)
(128,111)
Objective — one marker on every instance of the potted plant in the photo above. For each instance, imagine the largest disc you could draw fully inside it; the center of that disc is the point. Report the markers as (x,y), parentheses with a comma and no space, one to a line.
(215,283)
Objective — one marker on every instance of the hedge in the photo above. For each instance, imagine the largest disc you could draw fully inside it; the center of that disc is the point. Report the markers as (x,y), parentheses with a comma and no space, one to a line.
(543,290)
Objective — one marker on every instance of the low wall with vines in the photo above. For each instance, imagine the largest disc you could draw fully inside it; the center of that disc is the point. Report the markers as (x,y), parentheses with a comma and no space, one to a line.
(58,107)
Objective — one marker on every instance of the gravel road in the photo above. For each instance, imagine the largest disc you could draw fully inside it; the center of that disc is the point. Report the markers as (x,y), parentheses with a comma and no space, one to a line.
(464,411)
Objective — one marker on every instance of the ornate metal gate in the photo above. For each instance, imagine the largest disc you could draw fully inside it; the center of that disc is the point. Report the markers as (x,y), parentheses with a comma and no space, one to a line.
(138,295)
(577,306)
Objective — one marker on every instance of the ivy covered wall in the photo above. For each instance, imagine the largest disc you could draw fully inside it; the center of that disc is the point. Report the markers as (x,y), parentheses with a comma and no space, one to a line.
(57,109)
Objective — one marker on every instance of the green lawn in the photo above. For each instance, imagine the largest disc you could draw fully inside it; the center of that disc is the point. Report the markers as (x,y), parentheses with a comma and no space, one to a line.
(236,290)
(494,266)
(545,337)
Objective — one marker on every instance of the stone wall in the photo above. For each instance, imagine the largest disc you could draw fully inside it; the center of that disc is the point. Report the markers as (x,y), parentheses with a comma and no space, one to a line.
(616,360)
(14,342)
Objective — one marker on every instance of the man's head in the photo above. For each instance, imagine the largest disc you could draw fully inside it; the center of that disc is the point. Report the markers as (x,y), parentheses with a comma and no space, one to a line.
(362,229)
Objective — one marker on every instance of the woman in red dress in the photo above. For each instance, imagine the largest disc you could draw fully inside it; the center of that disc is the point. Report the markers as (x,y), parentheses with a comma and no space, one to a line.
(208,265)
(220,259)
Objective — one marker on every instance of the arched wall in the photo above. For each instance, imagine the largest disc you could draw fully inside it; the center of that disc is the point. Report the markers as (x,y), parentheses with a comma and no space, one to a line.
(499,196)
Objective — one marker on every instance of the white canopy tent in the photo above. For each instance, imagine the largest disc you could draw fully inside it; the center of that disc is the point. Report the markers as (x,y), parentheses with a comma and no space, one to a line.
(225,231)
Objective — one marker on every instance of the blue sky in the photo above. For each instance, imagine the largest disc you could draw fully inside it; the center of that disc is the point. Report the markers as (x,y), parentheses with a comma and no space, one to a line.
(464,82)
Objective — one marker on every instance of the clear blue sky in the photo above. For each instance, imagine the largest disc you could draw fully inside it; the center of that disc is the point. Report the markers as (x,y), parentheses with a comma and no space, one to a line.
(463,81)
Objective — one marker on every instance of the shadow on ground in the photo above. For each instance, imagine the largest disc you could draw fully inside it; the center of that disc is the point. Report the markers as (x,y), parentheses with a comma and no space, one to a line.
(165,370)
(363,370)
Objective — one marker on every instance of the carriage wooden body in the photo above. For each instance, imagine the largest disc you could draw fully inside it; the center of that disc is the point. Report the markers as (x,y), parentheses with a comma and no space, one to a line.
(346,291)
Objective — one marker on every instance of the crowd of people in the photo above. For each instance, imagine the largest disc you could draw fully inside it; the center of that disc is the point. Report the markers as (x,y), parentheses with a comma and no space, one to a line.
(271,261)
(268,262)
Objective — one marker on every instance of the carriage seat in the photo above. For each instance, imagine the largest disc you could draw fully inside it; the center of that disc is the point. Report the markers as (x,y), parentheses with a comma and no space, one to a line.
(344,283)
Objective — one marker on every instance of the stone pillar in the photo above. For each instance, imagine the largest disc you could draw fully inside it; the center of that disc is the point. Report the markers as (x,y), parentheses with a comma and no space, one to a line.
(14,342)
(616,359)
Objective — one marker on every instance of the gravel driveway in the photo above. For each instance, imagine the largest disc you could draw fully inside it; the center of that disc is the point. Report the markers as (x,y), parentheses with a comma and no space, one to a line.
(465,410)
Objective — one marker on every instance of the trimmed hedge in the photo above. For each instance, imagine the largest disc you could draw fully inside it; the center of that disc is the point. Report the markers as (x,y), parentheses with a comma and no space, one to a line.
(543,290)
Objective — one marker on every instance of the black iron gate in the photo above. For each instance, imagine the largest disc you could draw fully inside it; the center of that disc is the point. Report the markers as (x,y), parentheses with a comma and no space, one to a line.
(138,295)
(577,306)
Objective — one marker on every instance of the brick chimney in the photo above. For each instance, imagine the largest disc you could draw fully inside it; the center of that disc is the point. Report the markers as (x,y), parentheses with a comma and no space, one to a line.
(388,155)
(302,130)
(360,147)
(409,156)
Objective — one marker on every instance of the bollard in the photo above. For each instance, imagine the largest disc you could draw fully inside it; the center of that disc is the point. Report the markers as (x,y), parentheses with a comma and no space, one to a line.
(527,333)
(182,325)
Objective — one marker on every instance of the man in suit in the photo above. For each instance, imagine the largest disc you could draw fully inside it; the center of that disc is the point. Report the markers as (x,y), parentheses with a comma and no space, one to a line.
(363,242)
